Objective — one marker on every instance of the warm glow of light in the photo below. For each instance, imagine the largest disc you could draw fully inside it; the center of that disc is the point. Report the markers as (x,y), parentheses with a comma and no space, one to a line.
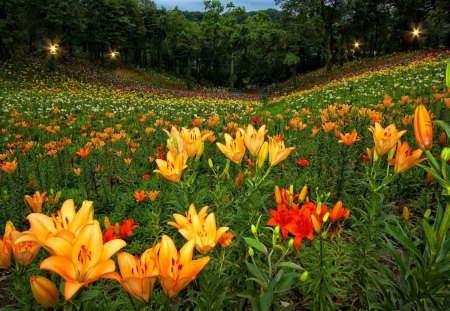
(114,54)
(53,49)
(416,32)
(356,44)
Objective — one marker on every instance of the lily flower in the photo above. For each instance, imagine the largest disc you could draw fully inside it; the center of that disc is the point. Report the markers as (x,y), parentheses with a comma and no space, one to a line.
(234,149)
(9,167)
(172,168)
(83,261)
(385,139)
(338,212)
(193,140)
(138,276)
(348,139)
(182,221)
(277,151)
(423,128)
(204,233)
(36,201)
(6,247)
(254,139)
(66,223)
(24,252)
(177,269)
(405,158)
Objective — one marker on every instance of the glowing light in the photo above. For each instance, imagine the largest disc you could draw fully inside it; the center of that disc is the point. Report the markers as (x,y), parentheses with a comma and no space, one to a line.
(53,48)
(356,44)
(114,55)
(416,32)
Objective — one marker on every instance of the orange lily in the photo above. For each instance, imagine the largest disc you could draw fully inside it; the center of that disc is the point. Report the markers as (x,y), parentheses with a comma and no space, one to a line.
(182,221)
(172,168)
(83,261)
(177,269)
(9,167)
(36,201)
(226,239)
(405,158)
(203,232)
(338,212)
(83,152)
(44,291)
(348,139)
(423,128)
(24,252)
(193,140)
(152,195)
(254,139)
(139,196)
(138,276)
(234,149)
(65,224)
(6,247)
(385,139)
(277,151)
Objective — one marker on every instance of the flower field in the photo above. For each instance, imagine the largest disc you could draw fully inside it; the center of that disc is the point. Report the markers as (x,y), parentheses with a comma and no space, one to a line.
(124,192)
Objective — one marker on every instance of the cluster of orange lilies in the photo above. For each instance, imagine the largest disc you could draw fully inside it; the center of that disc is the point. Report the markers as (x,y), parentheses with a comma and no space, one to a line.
(80,254)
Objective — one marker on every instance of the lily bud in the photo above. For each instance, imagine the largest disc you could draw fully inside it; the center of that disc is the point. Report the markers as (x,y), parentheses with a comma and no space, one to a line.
(210,163)
(319,208)
(254,230)
(291,243)
(44,291)
(405,213)
(445,154)
(325,217)
(304,276)
(107,223)
(277,231)
(200,150)
(303,194)
(423,129)
(442,140)
(262,155)
(238,180)
(427,213)
(315,224)
(277,195)
(429,179)
(291,194)
(251,252)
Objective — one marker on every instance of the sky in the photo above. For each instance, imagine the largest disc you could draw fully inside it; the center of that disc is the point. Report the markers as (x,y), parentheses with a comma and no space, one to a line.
(197,5)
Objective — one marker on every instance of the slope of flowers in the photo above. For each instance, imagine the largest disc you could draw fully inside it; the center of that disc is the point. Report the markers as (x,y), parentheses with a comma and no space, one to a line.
(330,199)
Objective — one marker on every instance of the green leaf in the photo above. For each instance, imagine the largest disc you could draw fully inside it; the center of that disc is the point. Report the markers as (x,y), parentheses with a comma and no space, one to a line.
(256,244)
(430,237)
(285,282)
(290,265)
(444,125)
(405,242)
(447,76)
(256,272)
(266,299)
(89,295)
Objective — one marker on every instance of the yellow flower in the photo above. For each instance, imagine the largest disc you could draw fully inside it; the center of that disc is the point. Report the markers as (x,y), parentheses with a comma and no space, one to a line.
(193,140)
(44,291)
(83,261)
(277,151)
(405,158)
(254,139)
(138,276)
(65,224)
(204,233)
(177,269)
(24,252)
(172,168)
(234,149)
(35,202)
(182,221)
(385,139)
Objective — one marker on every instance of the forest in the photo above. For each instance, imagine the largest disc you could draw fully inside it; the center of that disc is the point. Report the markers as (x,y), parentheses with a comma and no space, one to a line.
(225,45)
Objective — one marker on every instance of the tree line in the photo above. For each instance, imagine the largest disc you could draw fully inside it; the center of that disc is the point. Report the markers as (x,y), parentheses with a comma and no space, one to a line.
(225,45)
